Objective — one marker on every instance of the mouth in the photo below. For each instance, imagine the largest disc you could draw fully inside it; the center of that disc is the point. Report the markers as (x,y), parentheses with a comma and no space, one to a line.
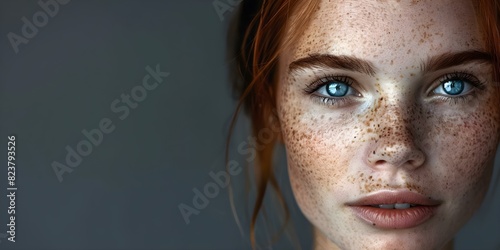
(394,209)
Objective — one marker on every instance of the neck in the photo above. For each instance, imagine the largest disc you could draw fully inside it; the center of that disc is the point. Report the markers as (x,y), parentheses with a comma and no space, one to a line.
(321,242)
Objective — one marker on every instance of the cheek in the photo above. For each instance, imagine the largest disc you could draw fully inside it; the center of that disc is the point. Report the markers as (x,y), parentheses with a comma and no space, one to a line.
(317,164)
(319,149)
(465,149)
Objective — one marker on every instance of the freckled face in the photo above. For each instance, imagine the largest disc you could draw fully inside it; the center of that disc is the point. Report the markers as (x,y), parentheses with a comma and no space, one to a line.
(389,123)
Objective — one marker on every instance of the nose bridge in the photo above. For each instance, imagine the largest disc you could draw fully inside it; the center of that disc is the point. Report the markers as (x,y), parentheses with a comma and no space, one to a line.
(394,119)
(395,143)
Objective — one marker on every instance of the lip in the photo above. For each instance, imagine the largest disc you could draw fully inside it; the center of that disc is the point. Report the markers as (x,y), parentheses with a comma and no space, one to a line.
(394,218)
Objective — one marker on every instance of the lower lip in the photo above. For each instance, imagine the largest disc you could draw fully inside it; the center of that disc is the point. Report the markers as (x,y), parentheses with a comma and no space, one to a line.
(395,218)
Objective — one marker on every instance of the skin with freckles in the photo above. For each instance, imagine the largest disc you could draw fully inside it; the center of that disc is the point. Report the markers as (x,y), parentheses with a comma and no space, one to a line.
(397,123)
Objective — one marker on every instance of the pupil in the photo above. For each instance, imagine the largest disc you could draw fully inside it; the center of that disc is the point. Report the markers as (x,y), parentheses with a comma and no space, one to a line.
(337,89)
(454,87)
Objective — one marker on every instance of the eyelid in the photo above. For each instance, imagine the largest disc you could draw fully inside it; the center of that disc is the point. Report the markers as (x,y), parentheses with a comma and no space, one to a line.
(316,85)
(336,102)
(466,76)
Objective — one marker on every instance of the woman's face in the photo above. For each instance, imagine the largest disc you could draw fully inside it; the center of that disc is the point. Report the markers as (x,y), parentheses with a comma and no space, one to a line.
(390,120)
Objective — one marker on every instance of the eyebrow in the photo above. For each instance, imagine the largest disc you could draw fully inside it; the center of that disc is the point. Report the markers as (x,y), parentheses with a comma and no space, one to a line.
(448,60)
(333,61)
(353,63)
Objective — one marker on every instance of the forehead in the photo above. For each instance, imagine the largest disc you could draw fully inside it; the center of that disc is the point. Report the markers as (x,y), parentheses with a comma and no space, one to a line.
(397,29)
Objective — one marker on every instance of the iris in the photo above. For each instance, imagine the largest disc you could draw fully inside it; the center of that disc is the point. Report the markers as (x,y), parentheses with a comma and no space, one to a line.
(453,87)
(337,89)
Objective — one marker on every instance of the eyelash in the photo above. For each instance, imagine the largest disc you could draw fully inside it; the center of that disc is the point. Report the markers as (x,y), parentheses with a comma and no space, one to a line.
(463,76)
(458,75)
(316,85)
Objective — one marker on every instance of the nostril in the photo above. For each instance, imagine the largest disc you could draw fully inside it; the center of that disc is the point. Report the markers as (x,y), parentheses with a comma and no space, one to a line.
(409,156)
(419,160)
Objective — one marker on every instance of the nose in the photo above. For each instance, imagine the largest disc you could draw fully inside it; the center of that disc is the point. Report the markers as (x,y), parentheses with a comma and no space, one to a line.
(395,146)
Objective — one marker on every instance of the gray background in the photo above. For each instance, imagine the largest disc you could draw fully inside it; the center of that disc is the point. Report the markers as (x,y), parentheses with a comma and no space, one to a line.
(125,194)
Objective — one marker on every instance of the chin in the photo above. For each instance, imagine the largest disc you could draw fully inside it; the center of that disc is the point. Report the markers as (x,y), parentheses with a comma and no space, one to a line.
(407,239)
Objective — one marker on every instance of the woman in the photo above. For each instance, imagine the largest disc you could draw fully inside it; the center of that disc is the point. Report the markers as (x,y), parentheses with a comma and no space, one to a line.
(389,112)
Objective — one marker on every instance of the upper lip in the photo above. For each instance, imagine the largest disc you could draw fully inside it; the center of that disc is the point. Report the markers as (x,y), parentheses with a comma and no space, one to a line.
(393,197)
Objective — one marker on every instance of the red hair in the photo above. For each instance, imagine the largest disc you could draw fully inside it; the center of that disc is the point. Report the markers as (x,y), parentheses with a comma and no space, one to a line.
(256,40)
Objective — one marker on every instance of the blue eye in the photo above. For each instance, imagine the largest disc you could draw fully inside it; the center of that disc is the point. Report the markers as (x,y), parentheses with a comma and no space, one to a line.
(337,89)
(333,87)
(454,87)
(333,90)
(457,85)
